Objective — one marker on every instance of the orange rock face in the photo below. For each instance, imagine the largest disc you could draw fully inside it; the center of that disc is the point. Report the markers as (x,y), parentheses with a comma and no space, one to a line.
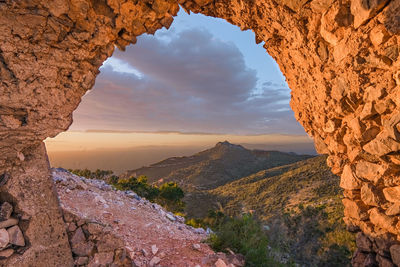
(340,58)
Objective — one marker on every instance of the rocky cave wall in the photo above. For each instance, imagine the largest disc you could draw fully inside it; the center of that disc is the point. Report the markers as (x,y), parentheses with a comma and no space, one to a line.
(340,58)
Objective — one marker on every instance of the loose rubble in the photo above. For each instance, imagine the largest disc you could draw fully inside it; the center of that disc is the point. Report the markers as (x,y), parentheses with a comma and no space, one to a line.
(11,236)
(104,229)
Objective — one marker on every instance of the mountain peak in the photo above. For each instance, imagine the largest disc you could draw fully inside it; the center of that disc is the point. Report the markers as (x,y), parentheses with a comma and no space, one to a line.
(228,145)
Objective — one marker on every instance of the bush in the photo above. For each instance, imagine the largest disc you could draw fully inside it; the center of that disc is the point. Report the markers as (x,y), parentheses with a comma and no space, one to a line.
(243,235)
(139,186)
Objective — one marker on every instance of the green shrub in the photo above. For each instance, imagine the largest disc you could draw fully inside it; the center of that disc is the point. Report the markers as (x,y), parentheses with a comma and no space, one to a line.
(243,235)
(139,186)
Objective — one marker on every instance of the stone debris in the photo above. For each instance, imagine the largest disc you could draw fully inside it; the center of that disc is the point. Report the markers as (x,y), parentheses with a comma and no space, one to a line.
(154,249)
(4,238)
(16,236)
(6,253)
(11,236)
(96,240)
(196,246)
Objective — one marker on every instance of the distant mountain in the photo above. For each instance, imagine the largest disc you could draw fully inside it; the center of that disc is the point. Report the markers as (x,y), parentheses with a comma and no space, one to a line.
(296,196)
(214,167)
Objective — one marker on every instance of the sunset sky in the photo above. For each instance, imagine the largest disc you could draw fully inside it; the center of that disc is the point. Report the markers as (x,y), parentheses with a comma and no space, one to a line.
(201,76)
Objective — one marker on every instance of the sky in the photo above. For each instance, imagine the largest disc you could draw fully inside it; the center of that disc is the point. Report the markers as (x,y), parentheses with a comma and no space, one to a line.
(201,81)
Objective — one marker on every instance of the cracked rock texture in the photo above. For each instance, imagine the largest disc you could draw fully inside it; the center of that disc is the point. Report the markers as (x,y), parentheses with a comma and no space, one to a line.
(340,58)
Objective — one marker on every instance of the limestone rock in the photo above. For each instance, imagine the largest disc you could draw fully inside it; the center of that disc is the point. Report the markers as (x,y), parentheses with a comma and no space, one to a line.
(8,223)
(355,209)
(16,236)
(383,221)
(5,211)
(363,10)
(4,238)
(392,194)
(6,253)
(393,209)
(378,35)
(348,181)
(369,171)
(370,195)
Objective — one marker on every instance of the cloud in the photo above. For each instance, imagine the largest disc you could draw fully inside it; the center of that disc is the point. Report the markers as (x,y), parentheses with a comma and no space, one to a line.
(188,81)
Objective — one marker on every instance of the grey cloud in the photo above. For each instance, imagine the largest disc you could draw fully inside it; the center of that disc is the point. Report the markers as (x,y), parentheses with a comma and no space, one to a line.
(191,82)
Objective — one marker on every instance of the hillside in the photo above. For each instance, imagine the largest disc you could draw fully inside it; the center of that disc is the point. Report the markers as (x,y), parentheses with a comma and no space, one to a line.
(214,167)
(108,227)
(296,197)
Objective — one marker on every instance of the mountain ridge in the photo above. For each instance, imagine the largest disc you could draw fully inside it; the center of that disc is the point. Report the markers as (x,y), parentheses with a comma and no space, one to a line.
(214,167)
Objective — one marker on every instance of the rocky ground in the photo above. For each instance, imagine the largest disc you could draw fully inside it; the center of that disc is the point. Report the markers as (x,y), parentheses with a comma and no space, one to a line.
(118,227)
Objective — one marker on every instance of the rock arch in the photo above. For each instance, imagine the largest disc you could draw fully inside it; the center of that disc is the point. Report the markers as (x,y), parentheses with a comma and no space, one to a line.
(340,58)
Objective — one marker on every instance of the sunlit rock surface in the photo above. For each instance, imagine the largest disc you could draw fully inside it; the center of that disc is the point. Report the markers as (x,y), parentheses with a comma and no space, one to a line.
(340,58)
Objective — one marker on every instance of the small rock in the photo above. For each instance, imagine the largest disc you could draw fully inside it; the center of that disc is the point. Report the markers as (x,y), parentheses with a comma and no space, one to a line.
(81,261)
(103,259)
(4,238)
(171,217)
(16,236)
(8,223)
(154,261)
(348,180)
(394,209)
(154,249)
(71,227)
(392,194)
(145,253)
(5,211)
(196,246)
(6,253)
(220,263)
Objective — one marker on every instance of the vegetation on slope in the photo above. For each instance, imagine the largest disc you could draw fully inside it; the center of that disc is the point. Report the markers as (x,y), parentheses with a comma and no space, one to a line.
(295,204)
